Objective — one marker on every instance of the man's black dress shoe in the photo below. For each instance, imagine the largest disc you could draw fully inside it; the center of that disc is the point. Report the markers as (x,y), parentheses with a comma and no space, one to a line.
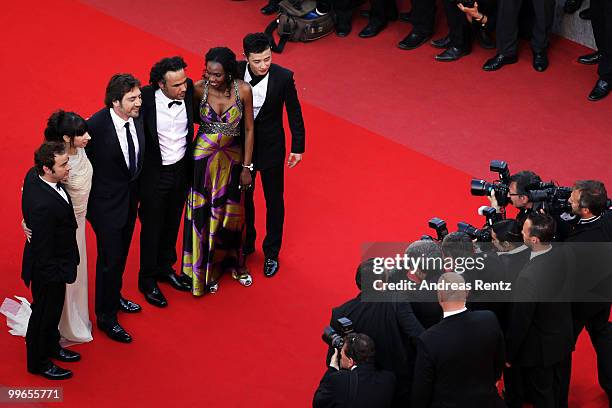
(585,14)
(572,6)
(177,282)
(405,16)
(269,8)
(153,295)
(66,355)
(540,61)
(413,40)
(443,42)
(115,332)
(590,59)
(128,306)
(484,39)
(371,30)
(342,30)
(600,91)
(498,61)
(53,372)
(270,267)
(451,54)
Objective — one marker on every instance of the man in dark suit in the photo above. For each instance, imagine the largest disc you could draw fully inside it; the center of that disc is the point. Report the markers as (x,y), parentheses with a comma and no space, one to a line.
(588,202)
(460,359)
(601,22)
(354,381)
(50,258)
(392,325)
(116,152)
(167,112)
(540,335)
(273,88)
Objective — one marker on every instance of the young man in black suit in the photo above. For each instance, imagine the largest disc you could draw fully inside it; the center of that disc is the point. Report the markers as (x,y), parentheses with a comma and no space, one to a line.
(540,334)
(167,113)
(460,359)
(116,152)
(273,88)
(50,258)
(353,381)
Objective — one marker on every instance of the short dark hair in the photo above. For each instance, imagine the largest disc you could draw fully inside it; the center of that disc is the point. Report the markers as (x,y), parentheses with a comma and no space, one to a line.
(523,179)
(365,268)
(429,250)
(62,123)
(457,244)
(227,59)
(45,155)
(118,86)
(508,231)
(593,195)
(543,226)
(170,64)
(255,43)
(360,347)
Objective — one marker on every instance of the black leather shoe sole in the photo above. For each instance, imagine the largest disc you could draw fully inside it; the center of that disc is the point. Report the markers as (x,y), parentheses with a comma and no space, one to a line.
(56,373)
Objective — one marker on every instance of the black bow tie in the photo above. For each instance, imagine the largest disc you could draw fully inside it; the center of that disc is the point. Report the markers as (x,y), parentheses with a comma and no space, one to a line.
(173,102)
(59,186)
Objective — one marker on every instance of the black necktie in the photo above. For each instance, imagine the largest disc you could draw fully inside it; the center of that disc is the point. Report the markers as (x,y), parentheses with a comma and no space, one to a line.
(58,186)
(131,149)
(173,102)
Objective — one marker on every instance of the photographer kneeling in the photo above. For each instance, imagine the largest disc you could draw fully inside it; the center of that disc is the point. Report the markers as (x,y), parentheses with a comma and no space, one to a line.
(352,380)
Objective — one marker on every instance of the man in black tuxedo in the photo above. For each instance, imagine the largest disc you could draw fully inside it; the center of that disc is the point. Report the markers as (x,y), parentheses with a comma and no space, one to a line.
(392,325)
(50,257)
(540,335)
(167,112)
(273,88)
(460,359)
(116,152)
(354,381)
(588,202)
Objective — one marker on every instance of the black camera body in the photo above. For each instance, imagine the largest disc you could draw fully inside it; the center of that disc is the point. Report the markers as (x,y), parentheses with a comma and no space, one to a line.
(551,198)
(438,225)
(501,187)
(479,234)
(336,339)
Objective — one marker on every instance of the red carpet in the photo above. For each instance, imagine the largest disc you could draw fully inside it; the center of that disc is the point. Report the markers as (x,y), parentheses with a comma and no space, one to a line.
(261,346)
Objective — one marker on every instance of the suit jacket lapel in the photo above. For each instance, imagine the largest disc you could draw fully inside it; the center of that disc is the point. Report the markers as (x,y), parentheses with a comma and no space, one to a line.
(113,142)
(271,88)
(56,194)
(151,118)
(141,141)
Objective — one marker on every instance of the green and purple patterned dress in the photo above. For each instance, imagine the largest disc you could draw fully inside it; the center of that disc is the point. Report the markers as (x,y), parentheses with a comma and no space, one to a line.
(214,215)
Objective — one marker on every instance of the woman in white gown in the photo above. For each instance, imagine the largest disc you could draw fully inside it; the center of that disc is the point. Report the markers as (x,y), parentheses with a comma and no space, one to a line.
(71,128)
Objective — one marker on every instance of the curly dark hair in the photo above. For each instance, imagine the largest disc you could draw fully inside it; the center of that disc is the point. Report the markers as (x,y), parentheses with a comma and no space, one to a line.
(227,59)
(44,156)
(162,66)
(118,86)
(62,123)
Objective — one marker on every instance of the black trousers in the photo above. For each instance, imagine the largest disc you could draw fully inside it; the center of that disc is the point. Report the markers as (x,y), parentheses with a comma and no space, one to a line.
(601,21)
(160,218)
(382,11)
(541,385)
(594,317)
(508,25)
(423,16)
(273,183)
(113,247)
(42,337)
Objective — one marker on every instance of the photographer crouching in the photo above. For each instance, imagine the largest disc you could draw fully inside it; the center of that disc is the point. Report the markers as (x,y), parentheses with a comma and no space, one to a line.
(352,379)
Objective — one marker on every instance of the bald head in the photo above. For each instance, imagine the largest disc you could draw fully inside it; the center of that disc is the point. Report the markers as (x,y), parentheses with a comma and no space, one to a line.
(452,293)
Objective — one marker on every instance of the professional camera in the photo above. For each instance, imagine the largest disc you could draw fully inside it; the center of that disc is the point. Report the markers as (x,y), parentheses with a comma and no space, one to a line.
(551,198)
(334,339)
(439,225)
(479,234)
(500,187)
(491,215)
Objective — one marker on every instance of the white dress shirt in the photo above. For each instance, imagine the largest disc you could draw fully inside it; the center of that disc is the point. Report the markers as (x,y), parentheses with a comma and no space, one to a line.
(171,128)
(259,91)
(538,253)
(121,134)
(515,250)
(454,312)
(59,190)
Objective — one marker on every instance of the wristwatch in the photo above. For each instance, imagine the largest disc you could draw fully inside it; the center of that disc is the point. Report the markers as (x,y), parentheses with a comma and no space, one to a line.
(248,166)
